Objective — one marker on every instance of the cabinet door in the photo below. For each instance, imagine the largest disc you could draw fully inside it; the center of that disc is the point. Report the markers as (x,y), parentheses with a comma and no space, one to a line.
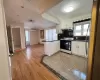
(82,49)
(74,48)
(87,47)
(57,46)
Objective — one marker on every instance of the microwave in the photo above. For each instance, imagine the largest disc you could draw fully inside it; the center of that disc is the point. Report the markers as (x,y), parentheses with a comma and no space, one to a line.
(67,33)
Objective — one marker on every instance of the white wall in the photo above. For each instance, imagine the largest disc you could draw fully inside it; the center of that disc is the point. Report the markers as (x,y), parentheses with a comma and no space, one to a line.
(22,34)
(68,23)
(34,37)
(41,40)
(65,23)
(4,61)
(23,44)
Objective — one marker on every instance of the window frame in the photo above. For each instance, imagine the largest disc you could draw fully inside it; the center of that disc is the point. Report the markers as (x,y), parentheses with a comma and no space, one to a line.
(48,37)
(27,36)
(82,25)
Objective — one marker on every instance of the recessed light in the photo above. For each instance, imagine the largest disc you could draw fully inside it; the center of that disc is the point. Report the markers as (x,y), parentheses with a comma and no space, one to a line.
(68,9)
(31,20)
(22,6)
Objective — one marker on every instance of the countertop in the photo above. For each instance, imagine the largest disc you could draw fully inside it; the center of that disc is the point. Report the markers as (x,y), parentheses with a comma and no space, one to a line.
(50,41)
(68,40)
(77,40)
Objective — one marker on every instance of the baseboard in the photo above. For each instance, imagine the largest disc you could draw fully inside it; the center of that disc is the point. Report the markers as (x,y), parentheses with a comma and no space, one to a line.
(19,50)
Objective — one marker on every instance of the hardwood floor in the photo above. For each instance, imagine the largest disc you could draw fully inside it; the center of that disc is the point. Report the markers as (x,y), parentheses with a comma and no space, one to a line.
(26,65)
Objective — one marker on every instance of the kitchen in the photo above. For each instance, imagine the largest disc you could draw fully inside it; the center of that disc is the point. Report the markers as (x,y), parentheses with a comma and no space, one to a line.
(76,40)
(67,49)
(72,41)
(70,49)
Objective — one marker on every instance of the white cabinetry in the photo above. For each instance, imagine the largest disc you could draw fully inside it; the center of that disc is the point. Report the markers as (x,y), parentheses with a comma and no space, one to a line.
(79,48)
(82,48)
(51,48)
(74,47)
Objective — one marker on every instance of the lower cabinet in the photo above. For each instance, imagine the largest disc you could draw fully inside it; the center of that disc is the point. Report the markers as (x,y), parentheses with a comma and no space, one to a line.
(74,48)
(79,48)
(51,48)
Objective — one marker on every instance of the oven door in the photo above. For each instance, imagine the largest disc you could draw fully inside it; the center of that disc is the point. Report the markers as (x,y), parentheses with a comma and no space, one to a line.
(68,45)
(65,44)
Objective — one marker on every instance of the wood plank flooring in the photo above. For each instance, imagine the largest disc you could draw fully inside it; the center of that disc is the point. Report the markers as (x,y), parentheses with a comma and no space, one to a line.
(26,65)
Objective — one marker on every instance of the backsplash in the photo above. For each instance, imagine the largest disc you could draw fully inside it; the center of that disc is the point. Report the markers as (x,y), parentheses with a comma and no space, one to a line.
(81,38)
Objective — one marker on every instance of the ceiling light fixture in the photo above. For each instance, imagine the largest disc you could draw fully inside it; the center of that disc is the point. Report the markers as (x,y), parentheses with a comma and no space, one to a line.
(68,9)
(22,6)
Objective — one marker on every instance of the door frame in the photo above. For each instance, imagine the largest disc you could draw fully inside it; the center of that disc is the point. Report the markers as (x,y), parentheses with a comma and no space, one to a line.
(95,10)
(12,36)
(28,37)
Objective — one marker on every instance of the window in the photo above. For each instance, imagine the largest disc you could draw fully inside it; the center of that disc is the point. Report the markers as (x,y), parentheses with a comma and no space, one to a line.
(86,30)
(82,29)
(78,30)
(54,34)
(51,35)
(27,35)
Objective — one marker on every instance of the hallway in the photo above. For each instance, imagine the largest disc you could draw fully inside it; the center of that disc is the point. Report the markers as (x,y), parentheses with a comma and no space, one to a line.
(26,65)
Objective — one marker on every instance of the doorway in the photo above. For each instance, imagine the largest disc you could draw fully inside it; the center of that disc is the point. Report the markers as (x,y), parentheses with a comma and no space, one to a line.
(9,35)
(27,35)
(16,39)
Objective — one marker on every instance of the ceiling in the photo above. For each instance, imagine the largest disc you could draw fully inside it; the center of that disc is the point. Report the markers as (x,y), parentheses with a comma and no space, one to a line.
(40,24)
(21,11)
(81,7)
